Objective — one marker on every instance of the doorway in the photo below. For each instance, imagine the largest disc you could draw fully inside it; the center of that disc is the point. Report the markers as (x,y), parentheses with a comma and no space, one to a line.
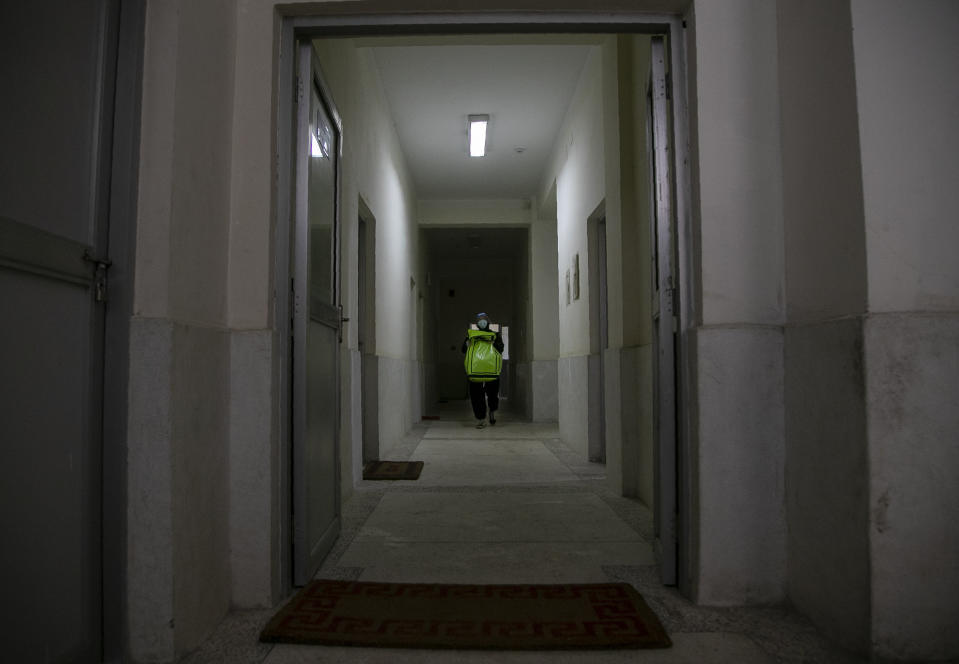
(317,26)
(366,331)
(599,332)
(473,270)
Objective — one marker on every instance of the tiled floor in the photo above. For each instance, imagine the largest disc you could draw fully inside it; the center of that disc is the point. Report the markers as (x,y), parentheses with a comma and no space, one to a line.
(512,504)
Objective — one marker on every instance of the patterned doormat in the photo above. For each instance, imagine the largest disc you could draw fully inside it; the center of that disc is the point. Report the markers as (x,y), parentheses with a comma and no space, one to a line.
(500,617)
(392,470)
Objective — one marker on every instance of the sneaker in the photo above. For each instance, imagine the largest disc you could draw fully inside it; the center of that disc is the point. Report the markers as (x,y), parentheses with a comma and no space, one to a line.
(481,424)
(492,419)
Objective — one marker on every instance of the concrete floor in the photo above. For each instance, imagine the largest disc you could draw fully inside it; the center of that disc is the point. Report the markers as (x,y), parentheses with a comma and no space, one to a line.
(512,504)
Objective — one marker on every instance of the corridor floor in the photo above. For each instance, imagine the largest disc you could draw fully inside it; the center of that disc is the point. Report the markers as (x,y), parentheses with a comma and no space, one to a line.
(512,504)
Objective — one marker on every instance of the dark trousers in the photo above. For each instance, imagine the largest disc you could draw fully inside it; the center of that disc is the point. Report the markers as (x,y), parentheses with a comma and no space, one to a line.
(480,393)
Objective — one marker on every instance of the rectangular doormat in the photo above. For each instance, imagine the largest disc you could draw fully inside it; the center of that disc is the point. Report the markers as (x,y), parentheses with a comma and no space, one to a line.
(392,470)
(498,617)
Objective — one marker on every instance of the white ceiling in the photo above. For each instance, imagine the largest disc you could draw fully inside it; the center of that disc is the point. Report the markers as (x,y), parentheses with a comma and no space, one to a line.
(525,88)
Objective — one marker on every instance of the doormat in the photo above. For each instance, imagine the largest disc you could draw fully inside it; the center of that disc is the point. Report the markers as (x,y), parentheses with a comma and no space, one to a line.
(432,616)
(392,470)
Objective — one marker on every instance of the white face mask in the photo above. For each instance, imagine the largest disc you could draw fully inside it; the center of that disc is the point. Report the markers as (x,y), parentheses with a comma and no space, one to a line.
(482,324)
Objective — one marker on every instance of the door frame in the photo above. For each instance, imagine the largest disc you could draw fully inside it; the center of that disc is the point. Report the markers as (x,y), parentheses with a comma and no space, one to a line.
(333,20)
(284,244)
(365,324)
(130,20)
(665,348)
(598,271)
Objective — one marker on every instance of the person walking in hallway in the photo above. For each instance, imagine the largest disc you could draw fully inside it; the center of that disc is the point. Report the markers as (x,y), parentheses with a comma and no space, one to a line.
(484,360)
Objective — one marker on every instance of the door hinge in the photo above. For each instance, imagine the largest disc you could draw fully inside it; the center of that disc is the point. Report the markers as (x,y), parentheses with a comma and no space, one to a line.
(292,305)
(670,294)
(100,267)
(669,85)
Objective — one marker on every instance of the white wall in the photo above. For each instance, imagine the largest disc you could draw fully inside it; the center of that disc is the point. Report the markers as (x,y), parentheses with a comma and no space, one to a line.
(872,293)
(544,283)
(373,167)
(203,304)
(738,232)
(907,56)
(179,538)
(598,171)
(578,169)
(462,212)
(912,387)
(825,251)
(544,313)
(906,62)
(826,296)
(740,223)
(637,326)
(206,217)
(628,357)
(257,453)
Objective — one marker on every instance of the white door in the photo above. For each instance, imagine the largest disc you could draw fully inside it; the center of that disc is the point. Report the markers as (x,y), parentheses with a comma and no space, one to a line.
(664,314)
(316,324)
(57,64)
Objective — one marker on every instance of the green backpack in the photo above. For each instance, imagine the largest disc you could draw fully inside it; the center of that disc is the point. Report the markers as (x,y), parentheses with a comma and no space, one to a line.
(483,362)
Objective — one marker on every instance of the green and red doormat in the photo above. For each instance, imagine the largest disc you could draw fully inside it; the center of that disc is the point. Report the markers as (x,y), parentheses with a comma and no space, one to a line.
(498,617)
(392,470)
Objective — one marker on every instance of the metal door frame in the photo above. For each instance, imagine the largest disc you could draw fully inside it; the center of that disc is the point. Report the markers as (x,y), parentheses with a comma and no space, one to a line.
(121,247)
(597,256)
(114,182)
(336,20)
(302,308)
(664,316)
(365,324)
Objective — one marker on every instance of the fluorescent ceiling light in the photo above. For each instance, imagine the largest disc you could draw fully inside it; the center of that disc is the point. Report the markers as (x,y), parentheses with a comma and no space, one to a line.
(477,135)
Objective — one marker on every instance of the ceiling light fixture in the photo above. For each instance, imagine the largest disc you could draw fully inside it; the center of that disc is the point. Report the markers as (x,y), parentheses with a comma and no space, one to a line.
(477,135)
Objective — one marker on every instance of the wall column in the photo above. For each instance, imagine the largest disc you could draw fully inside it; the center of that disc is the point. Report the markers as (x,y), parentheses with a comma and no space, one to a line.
(906,58)
(737,521)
